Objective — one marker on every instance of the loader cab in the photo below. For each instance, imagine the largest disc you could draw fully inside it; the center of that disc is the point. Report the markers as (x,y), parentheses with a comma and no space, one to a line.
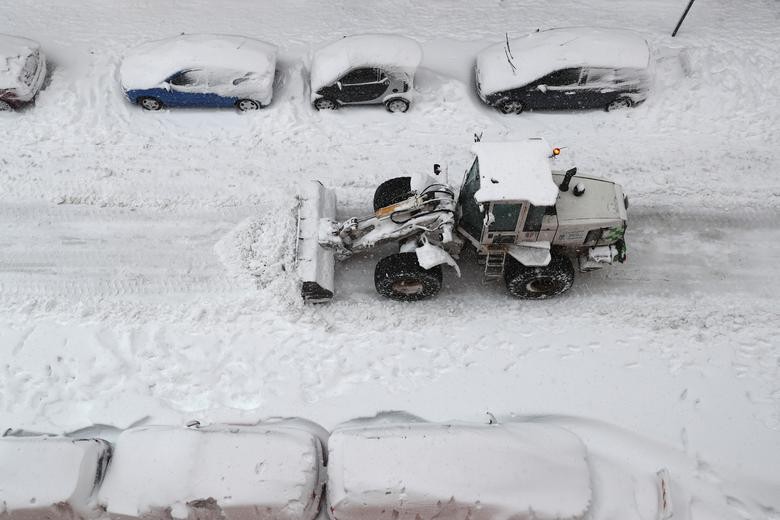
(501,221)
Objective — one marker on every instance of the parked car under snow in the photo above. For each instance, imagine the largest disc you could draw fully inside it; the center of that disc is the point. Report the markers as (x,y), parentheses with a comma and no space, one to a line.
(55,478)
(365,69)
(567,68)
(200,70)
(219,472)
(22,71)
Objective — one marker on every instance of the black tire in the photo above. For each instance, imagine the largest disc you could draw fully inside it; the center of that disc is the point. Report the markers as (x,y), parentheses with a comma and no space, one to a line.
(392,191)
(245,105)
(397,105)
(538,283)
(400,277)
(509,106)
(150,103)
(325,104)
(620,104)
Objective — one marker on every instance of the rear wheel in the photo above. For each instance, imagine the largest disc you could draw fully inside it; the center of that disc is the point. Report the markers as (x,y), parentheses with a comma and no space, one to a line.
(5,107)
(247,104)
(400,277)
(397,105)
(150,103)
(392,191)
(537,283)
(325,104)
(510,107)
(619,104)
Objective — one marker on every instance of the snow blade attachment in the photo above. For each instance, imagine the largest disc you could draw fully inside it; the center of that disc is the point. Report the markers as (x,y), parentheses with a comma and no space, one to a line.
(315,263)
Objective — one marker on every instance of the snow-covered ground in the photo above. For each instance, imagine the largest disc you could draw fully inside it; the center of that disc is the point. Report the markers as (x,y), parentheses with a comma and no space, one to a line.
(145,271)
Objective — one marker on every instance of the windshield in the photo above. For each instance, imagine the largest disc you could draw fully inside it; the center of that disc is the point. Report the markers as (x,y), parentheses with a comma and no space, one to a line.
(29,69)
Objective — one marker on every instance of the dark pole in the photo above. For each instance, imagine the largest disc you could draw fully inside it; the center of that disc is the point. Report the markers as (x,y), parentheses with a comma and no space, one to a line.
(674,33)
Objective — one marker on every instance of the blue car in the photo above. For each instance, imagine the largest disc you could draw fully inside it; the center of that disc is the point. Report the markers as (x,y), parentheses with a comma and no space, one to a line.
(200,70)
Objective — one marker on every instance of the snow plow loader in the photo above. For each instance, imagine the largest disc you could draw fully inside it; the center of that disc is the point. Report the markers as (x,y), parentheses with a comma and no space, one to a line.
(516,207)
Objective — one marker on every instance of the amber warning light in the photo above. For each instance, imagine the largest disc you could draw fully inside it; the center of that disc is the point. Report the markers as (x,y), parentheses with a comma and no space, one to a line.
(556,151)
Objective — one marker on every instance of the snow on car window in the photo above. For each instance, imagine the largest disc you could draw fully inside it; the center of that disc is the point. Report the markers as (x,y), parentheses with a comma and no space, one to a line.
(562,78)
(190,78)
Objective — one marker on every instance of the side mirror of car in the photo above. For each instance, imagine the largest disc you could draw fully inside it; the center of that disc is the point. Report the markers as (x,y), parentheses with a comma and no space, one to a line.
(338,84)
(542,88)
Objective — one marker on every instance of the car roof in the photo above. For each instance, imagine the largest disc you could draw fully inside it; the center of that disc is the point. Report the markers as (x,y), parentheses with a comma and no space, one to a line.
(516,171)
(147,65)
(14,50)
(386,51)
(540,53)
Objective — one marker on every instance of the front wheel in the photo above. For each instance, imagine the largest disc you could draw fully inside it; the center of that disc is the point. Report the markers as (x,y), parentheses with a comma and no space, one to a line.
(397,105)
(620,104)
(325,104)
(247,104)
(150,103)
(5,107)
(400,277)
(540,282)
(510,107)
(392,191)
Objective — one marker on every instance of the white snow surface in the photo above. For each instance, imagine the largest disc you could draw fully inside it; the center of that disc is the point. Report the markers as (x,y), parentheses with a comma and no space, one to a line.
(543,52)
(386,51)
(132,244)
(14,51)
(516,171)
(51,477)
(149,64)
(426,471)
(250,472)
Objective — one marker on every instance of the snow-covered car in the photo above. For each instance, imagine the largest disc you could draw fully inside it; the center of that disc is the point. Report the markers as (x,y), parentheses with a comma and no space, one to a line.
(50,477)
(224,472)
(566,68)
(200,70)
(22,71)
(365,69)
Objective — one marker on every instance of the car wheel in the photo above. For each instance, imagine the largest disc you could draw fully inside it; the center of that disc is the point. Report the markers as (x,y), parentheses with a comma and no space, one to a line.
(392,191)
(619,104)
(510,107)
(247,104)
(325,104)
(5,107)
(540,282)
(397,105)
(400,277)
(150,103)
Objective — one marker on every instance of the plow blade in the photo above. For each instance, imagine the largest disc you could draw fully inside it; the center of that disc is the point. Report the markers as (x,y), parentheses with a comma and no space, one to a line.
(315,263)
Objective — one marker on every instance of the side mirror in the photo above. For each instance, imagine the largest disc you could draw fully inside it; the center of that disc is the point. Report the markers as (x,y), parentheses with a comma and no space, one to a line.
(338,84)
(542,88)
(436,169)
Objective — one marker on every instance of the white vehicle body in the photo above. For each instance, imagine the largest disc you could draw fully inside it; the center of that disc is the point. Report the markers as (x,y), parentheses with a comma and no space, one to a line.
(230,472)
(22,69)
(50,477)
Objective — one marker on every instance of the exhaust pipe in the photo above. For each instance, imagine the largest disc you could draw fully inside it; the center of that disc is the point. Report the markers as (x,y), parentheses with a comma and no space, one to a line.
(564,186)
(316,264)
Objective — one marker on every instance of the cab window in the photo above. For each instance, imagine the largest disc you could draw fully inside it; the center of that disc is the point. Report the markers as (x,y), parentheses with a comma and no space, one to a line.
(471,216)
(533,221)
(505,217)
(360,76)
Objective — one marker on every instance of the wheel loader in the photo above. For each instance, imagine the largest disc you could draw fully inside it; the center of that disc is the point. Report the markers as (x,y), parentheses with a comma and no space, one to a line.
(530,218)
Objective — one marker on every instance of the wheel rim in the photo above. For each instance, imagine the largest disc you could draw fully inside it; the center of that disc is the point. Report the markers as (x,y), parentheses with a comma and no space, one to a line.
(150,104)
(247,104)
(408,287)
(541,285)
(4,106)
(619,103)
(325,104)
(511,107)
(397,106)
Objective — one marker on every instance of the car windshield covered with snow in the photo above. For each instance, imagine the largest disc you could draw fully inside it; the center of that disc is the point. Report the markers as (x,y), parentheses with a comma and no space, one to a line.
(200,70)
(567,68)
(365,69)
(22,71)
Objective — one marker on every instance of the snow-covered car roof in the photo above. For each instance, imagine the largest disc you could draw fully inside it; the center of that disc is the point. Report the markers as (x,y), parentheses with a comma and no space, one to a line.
(13,53)
(251,472)
(147,65)
(386,51)
(543,52)
(496,472)
(48,477)
(515,171)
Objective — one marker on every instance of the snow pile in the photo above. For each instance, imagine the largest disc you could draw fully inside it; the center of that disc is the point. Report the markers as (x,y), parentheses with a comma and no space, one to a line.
(516,171)
(424,470)
(49,477)
(217,472)
(385,51)
(13,55)
(149,65)
(541,53)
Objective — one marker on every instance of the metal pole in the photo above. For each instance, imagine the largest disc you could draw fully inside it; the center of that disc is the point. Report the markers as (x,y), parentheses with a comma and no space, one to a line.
(674,33)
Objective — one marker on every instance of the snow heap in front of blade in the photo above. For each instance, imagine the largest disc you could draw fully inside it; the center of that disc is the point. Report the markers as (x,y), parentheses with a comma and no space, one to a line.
(217,472)
(423,471)
(150,64)
(50,477)
(385,51)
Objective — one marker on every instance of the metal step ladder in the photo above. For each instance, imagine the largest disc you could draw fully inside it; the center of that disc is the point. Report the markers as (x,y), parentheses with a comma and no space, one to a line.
(494,265)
